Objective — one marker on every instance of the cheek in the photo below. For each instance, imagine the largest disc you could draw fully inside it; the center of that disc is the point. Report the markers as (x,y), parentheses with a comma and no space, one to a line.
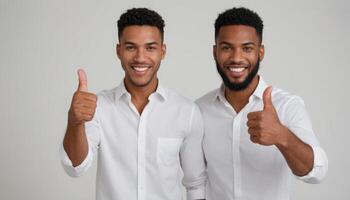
(126,57)
(222,58)
(156,57)
(252,58)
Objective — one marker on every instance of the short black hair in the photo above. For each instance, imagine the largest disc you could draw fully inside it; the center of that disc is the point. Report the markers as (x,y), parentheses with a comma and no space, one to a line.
(239,16)
(140,16)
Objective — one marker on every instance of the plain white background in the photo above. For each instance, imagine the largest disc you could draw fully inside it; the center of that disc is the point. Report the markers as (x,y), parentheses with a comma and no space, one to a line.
(42,43)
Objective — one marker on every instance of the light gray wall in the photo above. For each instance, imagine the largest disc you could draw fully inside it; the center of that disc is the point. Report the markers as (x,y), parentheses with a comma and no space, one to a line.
(42,43)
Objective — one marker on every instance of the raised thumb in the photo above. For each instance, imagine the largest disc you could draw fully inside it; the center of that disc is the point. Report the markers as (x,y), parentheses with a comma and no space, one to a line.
(82,81)
(267,98)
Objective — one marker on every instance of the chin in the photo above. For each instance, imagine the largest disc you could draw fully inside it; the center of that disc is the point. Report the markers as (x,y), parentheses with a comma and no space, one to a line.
(141,83)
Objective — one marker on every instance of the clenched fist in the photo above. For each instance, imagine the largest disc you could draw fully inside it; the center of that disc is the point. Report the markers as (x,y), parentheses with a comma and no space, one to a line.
(83,104)
(264,126)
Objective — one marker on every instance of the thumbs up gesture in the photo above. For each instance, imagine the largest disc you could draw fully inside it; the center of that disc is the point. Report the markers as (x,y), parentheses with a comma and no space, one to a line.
(264,126)
(83,104)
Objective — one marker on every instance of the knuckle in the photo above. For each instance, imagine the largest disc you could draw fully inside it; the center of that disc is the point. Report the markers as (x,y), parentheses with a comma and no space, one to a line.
(262,115)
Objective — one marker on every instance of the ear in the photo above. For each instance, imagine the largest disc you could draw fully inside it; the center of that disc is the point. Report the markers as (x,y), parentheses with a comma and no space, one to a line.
(214,51)
(117,49)
(163,50)
(261,52)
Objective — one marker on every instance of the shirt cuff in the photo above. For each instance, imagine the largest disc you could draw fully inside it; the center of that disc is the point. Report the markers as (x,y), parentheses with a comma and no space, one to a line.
(77,170)
(196,194)
(319,169)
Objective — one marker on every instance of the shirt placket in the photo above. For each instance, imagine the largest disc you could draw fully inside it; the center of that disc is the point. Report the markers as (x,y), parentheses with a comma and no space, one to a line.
(141,157)
(237,175)
(141,153)
(236,161)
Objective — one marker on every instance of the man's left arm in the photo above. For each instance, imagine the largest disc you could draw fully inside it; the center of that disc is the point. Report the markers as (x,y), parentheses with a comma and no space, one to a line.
(192,158)
(295,138)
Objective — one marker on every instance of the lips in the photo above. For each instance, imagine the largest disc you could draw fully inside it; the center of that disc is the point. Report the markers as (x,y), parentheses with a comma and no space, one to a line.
(233,69)
(140,68)
(236,71)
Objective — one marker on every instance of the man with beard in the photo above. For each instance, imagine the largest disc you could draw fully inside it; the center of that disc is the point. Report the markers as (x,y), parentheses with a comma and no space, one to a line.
(255,136)
(144,134)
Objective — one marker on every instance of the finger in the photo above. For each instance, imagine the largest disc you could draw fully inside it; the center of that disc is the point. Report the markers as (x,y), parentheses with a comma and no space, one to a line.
(253,131)
(254,138)
(85,96)
(81,107)
(253,123)
(87,117)
(254,115)
(267,98)
(82,81)
(88,104)
(90,97)
(88,110)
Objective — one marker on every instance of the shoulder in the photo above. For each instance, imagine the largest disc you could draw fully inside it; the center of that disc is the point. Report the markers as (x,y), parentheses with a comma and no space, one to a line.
(207,98)
(175,98)
(106,96)
(282,98)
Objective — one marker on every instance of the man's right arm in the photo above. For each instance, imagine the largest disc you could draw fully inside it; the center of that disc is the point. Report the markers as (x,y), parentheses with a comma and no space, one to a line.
(82,110)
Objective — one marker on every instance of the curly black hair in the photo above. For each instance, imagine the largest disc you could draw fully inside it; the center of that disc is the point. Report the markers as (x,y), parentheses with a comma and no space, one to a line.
(239,16)
(140,16)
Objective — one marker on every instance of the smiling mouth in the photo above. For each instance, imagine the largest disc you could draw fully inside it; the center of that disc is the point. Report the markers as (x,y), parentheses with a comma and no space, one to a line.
(237,69)
(142,68)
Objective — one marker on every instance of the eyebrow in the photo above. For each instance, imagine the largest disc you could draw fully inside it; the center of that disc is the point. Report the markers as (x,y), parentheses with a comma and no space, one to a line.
(148,44)
(248,43)
(244,44)
(152,43)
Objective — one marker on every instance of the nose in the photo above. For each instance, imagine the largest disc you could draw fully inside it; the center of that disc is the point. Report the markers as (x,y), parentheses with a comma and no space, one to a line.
(140,56)
(236,56)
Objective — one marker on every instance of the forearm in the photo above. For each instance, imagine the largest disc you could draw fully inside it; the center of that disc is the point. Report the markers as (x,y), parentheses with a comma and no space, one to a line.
(75,143)
(298,154)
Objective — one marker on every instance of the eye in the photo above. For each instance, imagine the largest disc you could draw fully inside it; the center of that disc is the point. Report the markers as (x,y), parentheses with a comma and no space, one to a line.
(130,48)
(247,49)
(225,48)
(151,48)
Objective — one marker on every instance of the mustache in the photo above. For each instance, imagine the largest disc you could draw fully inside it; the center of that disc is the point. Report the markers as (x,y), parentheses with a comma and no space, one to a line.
(236,64)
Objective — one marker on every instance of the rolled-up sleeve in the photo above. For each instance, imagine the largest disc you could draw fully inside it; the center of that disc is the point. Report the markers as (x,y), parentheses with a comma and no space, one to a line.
(319,169)
(78,170)
(192,158)
(92,130)
(298,121)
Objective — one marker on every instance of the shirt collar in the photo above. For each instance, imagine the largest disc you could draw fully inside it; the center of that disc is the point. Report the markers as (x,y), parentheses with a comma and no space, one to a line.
(258,92)
(121,91)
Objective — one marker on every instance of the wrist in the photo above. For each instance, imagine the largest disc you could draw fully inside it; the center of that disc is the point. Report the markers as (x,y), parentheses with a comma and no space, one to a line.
(283,137)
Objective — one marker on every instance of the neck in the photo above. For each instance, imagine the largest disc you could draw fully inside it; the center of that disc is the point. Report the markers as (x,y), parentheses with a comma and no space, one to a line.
(239,99)
(140,94)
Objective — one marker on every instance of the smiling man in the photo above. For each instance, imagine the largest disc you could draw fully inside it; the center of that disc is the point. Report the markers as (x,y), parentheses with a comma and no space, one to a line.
(255,136)
(144,134)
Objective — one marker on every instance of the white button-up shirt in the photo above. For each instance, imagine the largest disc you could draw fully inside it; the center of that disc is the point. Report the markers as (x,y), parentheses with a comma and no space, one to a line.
(147,156)
(242,170)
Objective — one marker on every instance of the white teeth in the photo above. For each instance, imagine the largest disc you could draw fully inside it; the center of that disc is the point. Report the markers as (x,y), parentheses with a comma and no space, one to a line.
(140,69)
(236,69)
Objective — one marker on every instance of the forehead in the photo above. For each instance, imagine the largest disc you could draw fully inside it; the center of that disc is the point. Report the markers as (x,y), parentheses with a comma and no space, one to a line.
(140,34)
(237,34)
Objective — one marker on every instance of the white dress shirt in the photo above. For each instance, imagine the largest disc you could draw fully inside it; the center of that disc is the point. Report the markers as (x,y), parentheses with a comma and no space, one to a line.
(144,157)
(242,170)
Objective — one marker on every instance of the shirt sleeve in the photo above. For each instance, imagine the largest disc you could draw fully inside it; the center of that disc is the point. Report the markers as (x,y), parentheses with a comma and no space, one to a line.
(92,130)
(298,121)
(192,158)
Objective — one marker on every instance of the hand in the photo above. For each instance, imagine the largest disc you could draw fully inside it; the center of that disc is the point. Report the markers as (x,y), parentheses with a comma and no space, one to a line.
(264,126)
(83,104)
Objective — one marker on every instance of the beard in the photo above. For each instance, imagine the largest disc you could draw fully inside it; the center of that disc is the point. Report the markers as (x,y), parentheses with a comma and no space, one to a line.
(238,86)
